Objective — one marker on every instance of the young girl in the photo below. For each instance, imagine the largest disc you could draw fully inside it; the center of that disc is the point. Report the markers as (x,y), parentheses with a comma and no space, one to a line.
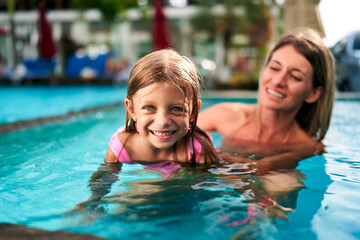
(162,106)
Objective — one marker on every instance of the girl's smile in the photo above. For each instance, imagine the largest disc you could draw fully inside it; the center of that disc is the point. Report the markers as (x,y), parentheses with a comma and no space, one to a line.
(163,135)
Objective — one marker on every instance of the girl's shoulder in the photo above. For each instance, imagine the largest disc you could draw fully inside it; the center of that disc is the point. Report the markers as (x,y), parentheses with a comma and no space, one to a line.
(117,146)
(121,134)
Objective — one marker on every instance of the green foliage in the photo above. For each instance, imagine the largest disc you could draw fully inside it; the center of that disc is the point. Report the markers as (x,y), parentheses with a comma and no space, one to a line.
(204,22)
(254,22)
(247,20)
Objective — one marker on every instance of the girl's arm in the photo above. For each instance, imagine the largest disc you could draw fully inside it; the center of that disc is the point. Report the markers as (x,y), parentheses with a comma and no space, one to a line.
(100,184)
(110,156)
(101,180)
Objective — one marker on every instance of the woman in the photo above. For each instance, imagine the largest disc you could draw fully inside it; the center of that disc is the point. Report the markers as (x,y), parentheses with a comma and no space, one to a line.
(295,97)
(292,116)
(289,121)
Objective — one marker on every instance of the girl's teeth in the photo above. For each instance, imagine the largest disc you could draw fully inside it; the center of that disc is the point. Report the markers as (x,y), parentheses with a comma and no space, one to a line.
(279,95)
(162,134)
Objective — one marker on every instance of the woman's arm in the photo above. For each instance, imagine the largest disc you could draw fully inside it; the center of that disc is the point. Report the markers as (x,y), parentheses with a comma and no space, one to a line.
(261,167)
(287,157)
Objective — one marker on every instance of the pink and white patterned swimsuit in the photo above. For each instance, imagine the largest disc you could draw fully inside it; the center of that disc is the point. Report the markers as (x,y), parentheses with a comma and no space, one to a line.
(166,169)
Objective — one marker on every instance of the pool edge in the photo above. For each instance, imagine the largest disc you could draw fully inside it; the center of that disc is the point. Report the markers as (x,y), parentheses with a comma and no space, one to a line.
(251,94)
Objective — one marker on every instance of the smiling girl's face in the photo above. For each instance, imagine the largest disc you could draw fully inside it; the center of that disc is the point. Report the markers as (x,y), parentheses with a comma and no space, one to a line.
(287,81)
(162,114)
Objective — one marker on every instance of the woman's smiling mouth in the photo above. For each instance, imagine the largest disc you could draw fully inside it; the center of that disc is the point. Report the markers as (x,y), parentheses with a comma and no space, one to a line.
(275,94)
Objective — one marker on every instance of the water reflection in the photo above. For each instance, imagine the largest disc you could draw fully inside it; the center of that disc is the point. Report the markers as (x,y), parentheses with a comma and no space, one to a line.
(240,197)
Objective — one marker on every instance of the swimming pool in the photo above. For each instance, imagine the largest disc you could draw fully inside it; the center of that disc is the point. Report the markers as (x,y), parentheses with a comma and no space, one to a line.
(30,102)
(45,171)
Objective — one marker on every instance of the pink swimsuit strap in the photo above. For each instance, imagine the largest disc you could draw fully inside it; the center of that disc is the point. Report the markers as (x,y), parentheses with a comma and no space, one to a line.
(118,148)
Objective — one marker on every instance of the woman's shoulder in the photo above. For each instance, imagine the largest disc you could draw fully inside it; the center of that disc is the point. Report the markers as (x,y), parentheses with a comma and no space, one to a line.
(225,117)
(303,139)
(232,106)
(226,109)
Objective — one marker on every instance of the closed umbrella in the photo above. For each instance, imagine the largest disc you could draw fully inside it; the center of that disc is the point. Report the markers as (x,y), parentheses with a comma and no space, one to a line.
(161,32)
(46,42)
(3,31)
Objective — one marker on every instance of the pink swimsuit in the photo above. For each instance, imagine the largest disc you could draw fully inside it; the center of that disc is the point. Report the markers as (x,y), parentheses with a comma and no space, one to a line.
(166,168)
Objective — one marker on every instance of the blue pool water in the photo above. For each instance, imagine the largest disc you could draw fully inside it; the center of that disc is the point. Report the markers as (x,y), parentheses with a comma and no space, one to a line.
(45,172)
(24,102)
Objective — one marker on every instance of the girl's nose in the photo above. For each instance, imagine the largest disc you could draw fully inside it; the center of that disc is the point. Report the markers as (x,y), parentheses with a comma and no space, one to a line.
(162,118)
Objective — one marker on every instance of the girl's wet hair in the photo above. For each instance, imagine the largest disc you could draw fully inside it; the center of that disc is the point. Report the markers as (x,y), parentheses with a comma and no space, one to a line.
(169,67)
(315,117)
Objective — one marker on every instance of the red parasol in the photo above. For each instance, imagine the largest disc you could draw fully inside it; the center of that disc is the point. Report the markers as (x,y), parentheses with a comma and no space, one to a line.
(46,42)
(3,31)
(161,31)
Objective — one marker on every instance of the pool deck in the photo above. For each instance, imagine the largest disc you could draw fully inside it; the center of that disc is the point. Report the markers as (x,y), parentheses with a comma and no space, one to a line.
(22,232)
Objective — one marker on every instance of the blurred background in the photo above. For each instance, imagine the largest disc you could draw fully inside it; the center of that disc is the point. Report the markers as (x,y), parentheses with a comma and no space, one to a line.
(74,41)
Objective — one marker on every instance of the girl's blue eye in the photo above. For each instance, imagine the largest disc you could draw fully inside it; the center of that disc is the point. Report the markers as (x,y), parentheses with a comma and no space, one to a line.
(150,108)
(177,109)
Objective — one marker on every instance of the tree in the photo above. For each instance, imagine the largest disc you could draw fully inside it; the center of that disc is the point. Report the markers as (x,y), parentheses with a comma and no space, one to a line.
(239,18)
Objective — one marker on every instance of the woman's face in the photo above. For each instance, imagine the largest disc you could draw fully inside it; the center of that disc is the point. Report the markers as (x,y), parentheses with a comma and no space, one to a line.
(286,81)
